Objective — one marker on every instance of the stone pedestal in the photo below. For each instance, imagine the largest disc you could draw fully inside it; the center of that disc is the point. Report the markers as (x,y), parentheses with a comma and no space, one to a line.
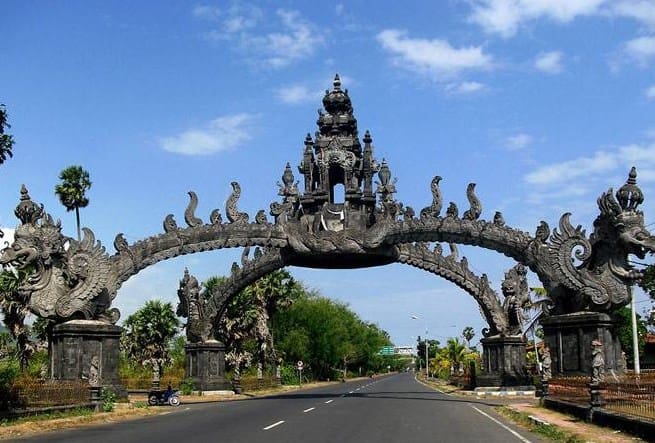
(74,346)
(503,362)
(569,338)
(205,364)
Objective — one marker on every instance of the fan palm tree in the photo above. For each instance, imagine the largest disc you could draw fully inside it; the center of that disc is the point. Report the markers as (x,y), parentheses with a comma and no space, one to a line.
(72,191)
(148,332)
(6,140)
(468,333)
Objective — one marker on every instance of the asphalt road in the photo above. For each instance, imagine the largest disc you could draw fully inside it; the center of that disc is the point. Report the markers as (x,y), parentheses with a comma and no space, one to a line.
(389,409)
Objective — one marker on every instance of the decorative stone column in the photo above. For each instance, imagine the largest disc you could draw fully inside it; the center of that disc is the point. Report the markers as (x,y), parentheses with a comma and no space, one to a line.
(78,346)
(570,338)
(503,362)
(205,364)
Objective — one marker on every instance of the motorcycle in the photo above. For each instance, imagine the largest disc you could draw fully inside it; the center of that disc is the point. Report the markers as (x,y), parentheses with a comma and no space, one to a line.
(163,398)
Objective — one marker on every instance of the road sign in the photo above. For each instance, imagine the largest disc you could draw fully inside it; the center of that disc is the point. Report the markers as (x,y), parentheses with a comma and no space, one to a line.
(299,365)
(387,350)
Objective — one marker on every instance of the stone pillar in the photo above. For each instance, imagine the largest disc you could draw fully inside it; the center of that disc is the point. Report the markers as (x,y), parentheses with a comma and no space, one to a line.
(569,338)
(503,362)
(205,364)
(75,344)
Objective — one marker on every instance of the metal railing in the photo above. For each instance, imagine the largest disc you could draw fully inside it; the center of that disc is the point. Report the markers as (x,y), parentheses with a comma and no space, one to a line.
(626,394)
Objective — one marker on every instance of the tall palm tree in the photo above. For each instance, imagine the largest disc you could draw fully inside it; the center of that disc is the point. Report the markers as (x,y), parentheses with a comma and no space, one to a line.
(72,191)
(468,333)
(6,140)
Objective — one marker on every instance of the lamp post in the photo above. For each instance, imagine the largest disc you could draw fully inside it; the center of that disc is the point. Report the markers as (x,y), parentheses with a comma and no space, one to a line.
(427,360)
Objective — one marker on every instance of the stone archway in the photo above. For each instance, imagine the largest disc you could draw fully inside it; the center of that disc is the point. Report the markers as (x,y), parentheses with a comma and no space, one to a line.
(76,281)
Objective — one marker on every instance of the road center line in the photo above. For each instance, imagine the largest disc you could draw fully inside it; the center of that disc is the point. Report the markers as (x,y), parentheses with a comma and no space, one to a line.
(512,431)
(273,425)
(310,409)
(329,401)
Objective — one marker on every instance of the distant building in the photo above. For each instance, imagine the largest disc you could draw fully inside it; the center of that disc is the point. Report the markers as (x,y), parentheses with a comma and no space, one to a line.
(404,350)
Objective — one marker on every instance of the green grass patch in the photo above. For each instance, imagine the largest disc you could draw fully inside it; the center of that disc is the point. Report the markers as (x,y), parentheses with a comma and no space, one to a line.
(549,431)
(76,412)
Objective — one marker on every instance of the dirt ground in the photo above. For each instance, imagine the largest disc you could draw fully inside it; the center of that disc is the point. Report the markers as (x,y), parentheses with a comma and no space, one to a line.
(588,432)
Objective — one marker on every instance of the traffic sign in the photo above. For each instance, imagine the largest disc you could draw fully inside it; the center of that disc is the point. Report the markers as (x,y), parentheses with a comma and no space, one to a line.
(299,365)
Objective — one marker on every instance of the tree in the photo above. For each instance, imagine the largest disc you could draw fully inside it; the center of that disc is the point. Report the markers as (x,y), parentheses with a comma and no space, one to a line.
(14,308)
(245,327)
(624,328)
(6,140)
(148,332)
(456,352)
(468,333)
(647,283)
(72,191)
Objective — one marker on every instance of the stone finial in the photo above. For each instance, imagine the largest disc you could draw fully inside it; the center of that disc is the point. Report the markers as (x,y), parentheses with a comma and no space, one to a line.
(27,211)
(629,195)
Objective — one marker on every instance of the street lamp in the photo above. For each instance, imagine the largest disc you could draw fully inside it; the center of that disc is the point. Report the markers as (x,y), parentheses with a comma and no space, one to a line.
(427,360)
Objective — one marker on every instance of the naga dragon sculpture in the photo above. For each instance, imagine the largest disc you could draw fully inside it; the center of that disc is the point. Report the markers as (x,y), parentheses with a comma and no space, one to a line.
(600,282)
(67,279)
(197,309)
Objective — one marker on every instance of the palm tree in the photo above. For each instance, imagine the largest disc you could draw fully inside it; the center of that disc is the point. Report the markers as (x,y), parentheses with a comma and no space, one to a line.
(468,333)
(6,140)
(13,305)
(148,332)
(456,352)
(72,189)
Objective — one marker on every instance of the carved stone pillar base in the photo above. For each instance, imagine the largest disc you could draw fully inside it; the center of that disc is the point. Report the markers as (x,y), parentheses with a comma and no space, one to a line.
(569,338)
(74,345)
(205,364)
(503,362)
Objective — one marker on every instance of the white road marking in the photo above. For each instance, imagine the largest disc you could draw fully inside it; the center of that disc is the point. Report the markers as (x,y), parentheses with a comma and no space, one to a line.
(310,409)
(273,425)
(513,432)
(329,401)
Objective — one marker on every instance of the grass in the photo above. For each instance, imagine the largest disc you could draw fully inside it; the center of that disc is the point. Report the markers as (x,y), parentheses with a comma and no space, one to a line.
(76,412)
(549,431)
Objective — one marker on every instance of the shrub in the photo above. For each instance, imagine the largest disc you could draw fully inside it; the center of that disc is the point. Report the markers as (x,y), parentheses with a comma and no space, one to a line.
(187,386)
(108,400)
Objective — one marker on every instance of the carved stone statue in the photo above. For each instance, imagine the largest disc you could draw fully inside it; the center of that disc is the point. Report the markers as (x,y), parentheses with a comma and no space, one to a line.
(597,363)
(73,282)
(517,297)
(94,371)
(198,311)
(546,364)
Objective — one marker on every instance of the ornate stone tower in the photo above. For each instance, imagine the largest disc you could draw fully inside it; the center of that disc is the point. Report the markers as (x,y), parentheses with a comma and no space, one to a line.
(334,159)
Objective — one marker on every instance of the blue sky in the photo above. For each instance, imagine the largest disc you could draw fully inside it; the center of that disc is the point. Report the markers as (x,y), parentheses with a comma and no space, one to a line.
(543,103)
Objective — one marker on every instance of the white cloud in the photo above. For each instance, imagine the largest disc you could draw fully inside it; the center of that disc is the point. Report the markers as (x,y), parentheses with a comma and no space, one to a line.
(641,49)
(436,58)
(650,92)
(518,142)
(206,12)
(549,62)
(297,94)
(504,17)
(640,10)
(600,162)
(298,40)
(465,87)
(221,134)
(277,42)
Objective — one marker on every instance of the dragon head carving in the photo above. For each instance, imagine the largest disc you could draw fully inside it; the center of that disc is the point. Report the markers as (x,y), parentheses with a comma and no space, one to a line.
(67,279)
(620,231)
(601,281)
